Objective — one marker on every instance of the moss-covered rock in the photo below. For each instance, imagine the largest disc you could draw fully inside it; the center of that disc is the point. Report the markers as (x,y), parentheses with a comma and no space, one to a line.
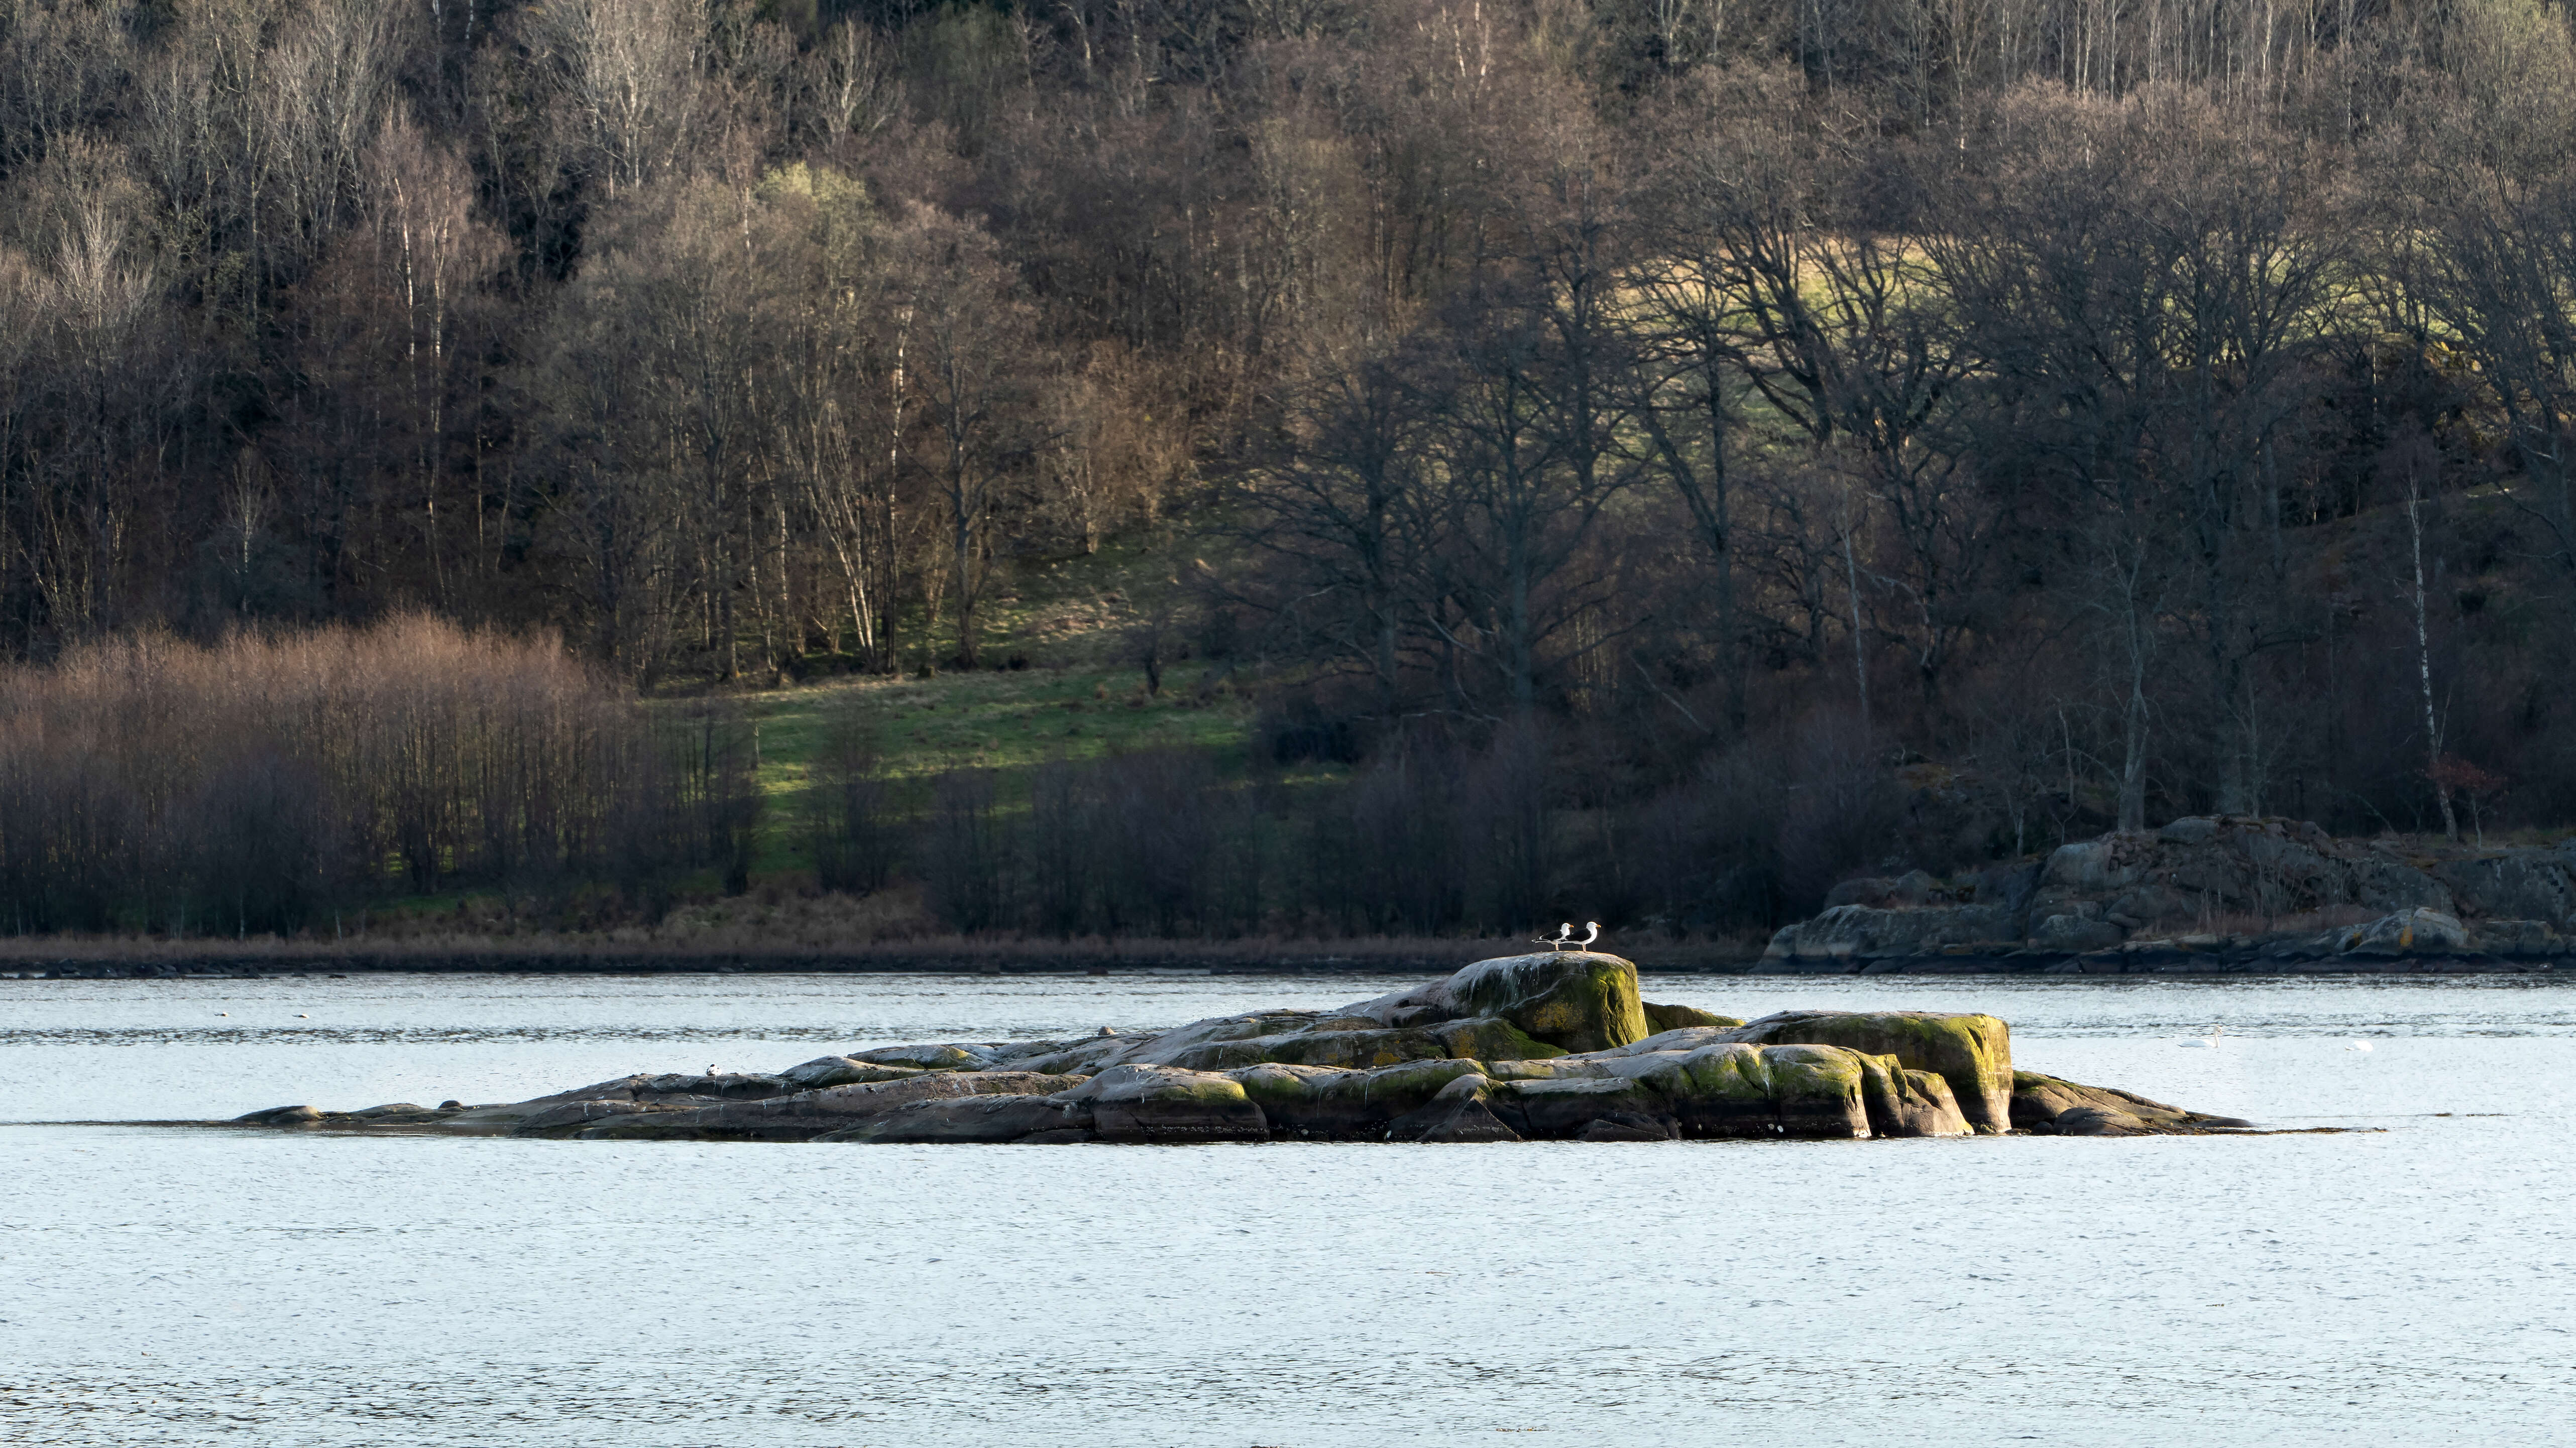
(1322,1103)
(1816,1090)
(1713,1091)
(1167,1104)
(1363,1103)
(1280,1088)
(1491,1038)
(1973,1053)
(1660,1018)
(1565,1109)
(1714,1088)
(1578,999)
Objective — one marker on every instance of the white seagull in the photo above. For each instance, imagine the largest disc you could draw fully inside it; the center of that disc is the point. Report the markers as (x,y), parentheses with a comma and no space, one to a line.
(2357,1045)
(1586,942)
(2211,1040)
(1563,930)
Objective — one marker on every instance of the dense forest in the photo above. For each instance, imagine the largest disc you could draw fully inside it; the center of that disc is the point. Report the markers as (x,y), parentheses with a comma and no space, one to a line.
(1761,430)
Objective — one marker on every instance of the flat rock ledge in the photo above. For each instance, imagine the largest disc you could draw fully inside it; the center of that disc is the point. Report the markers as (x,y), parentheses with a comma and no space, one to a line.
(1554,1046)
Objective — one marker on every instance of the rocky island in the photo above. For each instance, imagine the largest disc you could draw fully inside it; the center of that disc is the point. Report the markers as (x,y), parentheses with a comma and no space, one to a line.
(1557,1045)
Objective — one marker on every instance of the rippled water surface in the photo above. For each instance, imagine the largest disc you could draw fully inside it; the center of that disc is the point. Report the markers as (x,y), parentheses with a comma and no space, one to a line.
(167,1286)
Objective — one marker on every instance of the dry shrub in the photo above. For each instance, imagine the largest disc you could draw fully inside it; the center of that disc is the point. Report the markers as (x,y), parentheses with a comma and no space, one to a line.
(250,786)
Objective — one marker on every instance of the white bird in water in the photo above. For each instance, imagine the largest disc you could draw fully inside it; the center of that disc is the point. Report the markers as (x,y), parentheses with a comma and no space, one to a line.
(2356,1045)
(2210,1040)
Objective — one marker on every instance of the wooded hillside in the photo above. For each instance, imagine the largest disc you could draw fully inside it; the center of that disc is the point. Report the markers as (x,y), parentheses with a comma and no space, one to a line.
(2127,410)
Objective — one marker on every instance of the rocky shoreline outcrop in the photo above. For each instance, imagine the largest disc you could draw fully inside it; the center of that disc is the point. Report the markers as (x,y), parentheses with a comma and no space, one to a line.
(1552,1046)
(2218,894)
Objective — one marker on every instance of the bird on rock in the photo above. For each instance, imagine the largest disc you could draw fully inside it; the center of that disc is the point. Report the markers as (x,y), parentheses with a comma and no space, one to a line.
(1564,932)
(1586,942)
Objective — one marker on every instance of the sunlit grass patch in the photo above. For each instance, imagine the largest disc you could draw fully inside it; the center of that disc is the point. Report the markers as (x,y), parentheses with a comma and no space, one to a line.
(1000,719)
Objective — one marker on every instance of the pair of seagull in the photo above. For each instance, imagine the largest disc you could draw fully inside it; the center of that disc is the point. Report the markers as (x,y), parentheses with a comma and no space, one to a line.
(1565,933)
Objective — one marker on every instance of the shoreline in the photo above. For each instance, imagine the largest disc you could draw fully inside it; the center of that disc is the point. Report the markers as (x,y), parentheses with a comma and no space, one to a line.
(1026,959)
(237,965)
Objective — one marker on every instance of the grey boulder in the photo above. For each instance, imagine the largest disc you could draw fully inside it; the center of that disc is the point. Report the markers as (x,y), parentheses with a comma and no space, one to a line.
(2048,1106)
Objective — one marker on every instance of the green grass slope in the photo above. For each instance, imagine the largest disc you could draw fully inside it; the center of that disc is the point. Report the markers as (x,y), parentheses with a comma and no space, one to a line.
(1076,629)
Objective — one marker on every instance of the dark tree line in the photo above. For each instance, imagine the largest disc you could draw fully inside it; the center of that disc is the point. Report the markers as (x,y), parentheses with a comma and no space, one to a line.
(2059,395)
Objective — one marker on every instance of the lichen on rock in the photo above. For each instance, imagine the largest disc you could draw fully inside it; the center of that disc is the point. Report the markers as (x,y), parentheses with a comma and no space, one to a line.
(1972,1053)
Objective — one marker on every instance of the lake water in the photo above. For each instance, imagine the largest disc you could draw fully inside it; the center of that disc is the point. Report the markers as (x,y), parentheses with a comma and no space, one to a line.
(176,1286)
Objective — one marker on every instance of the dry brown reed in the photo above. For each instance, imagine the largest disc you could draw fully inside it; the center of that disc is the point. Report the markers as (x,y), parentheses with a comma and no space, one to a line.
(149,784)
